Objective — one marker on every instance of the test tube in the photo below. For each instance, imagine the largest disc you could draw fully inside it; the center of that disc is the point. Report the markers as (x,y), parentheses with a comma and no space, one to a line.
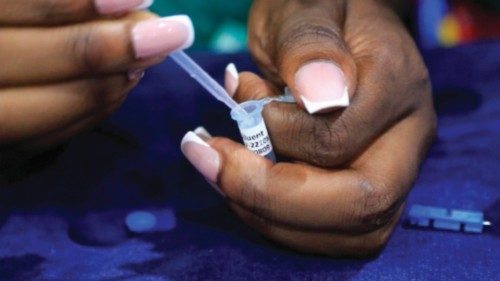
(248,115)
(253,129)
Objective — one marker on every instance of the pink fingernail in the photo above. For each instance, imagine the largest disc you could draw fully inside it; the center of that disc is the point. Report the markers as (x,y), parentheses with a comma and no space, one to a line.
(231,79)
(161,36)
(204,158)
(112,7)
(322,86)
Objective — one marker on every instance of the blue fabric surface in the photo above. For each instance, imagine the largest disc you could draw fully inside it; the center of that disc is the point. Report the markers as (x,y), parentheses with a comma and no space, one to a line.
(63,218)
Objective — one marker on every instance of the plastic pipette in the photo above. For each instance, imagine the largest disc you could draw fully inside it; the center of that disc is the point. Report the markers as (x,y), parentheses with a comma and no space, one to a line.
(200,75)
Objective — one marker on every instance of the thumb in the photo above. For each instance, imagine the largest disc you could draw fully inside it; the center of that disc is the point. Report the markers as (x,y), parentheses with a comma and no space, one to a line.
(314,60)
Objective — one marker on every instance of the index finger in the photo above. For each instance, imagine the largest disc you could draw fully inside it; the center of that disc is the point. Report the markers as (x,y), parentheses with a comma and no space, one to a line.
(296,195)
(360,198)
(49,12)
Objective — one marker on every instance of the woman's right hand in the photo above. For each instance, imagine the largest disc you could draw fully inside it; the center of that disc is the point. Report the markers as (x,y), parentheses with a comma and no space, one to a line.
(68,64)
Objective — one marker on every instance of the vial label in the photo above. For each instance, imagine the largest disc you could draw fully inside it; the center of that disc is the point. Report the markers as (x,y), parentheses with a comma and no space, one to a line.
(257,139)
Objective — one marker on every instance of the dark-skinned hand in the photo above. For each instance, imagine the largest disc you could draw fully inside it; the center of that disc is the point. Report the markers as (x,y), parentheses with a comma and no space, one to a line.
(353,164)
(66,65)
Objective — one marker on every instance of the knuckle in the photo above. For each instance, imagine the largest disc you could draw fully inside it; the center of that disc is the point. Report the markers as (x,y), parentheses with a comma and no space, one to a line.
(421,74)
(418,72)
(379,205)
(55,9)
(306,33)
(88,48)
(329,142)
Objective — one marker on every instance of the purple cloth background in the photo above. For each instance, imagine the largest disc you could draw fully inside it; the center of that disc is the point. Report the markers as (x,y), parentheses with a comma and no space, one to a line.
(61,218)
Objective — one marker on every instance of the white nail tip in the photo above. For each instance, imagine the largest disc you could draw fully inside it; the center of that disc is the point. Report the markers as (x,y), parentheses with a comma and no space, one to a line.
(192,137)
(231,69)
(186,21)
(145,4)
(201,131)
(314,107)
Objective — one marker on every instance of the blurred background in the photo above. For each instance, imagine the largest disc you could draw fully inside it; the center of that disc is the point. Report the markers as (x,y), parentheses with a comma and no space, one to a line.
(221,25)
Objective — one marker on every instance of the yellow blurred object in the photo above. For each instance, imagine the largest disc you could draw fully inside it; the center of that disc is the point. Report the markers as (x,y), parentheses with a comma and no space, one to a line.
(449,31)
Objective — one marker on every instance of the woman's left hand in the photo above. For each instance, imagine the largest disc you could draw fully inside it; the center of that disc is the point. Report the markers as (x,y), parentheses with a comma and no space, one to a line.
(354,167)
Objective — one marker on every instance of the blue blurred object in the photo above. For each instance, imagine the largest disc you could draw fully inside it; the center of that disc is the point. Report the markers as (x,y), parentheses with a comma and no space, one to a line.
(165,219)
(446,219)
(429,16)
(140,221)
(148,221)
(230,37)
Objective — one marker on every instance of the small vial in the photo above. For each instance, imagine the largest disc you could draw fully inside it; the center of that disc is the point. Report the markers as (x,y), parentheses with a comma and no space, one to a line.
(253,129)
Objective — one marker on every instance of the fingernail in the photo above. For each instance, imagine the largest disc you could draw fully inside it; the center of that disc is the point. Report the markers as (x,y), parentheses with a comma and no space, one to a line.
(205,135)
(202,133)
(231,79)
(135,74)
(204,158)
(322,86)
(111,7)
(160,36)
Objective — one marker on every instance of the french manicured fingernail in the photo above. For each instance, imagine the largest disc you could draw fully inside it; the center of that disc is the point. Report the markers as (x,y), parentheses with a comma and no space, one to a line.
(322,86)
(202,133)
(160,36)
(135,74)
(231,79)
(205,135)
(111,7)
(204,158)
